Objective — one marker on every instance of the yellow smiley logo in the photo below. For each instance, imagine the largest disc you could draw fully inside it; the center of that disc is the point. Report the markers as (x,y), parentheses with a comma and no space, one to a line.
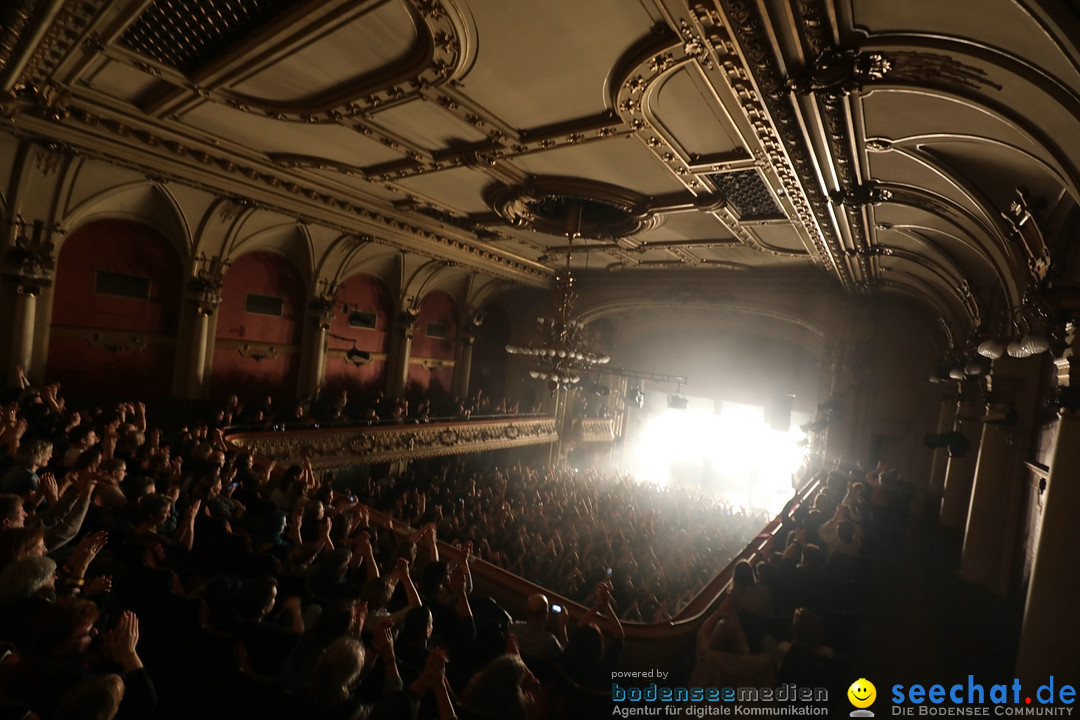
(862,693)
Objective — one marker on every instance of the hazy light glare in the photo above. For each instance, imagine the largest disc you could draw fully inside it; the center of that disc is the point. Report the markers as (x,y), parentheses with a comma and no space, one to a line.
(734,454)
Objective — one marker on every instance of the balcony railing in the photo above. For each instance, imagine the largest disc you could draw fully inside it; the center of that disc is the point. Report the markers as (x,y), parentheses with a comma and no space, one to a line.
(330,448)
(598,430)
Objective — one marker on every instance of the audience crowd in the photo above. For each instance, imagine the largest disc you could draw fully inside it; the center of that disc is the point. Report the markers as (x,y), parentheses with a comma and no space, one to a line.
(568,530)
(261,590)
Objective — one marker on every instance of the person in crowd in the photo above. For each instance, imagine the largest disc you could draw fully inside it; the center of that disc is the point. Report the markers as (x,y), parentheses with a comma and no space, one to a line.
(596,644)
(534,640)
(504,689)
(723,657)
(804,658)
(22,478)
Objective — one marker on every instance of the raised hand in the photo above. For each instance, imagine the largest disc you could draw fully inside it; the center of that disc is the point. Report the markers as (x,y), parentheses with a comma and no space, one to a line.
(401,568)
(47,485)
(98,585)
(86,551)
(120,642)
(383,639)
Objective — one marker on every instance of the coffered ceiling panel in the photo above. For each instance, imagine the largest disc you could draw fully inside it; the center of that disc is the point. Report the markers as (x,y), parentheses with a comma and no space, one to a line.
(373,40)
(120,80)
(633,164)
(266,135)
(779,240)
(429,126)
(688,226)
(542,63)
(685,109)
(460,190)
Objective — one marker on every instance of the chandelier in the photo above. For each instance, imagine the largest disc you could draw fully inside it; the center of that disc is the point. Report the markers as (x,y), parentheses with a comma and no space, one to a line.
(559,351)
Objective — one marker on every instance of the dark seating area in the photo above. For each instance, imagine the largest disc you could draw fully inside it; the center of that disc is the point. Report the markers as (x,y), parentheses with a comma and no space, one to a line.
(239,577)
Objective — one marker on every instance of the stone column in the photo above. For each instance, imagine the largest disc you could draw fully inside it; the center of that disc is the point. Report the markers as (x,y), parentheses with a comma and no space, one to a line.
(22,336)
(463,364)
(993,519)
(940,462)
(397,366)
(1050,634)
(205,296)
(316,365)
(960,473)
(197,359)
(316,336)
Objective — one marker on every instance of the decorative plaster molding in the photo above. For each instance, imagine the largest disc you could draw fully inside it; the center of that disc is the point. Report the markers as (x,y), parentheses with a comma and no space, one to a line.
(364,446)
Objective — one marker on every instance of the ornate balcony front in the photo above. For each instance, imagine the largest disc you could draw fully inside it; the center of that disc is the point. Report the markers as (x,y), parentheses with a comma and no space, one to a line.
(331,448)
(598,430)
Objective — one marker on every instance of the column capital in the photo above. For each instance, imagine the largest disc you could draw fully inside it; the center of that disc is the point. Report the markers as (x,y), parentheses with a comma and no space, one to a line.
(1067,362)
(323,304)
(1066,397)
(28,287)
(405,321)
(205,287)
(30,259)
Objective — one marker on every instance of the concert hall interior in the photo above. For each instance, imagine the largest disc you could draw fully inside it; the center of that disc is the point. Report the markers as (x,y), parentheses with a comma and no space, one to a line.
(742,331)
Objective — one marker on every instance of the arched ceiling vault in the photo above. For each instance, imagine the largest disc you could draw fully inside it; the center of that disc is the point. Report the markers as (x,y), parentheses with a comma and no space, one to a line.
(915,148)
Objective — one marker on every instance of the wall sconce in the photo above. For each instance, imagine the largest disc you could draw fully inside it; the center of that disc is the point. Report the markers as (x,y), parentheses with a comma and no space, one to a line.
(116,343)
(258,352)
(357,357)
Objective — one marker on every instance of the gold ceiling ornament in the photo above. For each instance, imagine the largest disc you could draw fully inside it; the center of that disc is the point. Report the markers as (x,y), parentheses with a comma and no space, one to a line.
(560,352)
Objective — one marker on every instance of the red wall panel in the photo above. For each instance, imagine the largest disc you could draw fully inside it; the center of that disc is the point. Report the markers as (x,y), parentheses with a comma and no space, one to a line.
(365,293)
(131,248)
(263,273)
(437,307)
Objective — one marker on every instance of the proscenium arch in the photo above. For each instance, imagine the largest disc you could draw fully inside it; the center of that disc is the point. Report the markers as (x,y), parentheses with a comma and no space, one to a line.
(810,336)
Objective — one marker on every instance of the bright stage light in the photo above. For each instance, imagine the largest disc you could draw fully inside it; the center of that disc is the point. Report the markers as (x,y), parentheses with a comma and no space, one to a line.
(733,454)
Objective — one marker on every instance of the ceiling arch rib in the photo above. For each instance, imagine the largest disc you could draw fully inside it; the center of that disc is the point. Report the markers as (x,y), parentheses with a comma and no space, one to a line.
(947,273)
(1008,63)
(956,215)
(912,143)
(998,251)
(946,310)
(953,300)
(940,262)
(1041,137)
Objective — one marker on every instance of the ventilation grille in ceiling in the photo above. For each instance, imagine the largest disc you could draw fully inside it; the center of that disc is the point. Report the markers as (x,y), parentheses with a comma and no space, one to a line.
(185,34)
(748,195)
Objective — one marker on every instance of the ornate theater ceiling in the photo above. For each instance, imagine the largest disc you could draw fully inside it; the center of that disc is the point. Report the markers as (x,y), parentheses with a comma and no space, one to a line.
(922,148)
